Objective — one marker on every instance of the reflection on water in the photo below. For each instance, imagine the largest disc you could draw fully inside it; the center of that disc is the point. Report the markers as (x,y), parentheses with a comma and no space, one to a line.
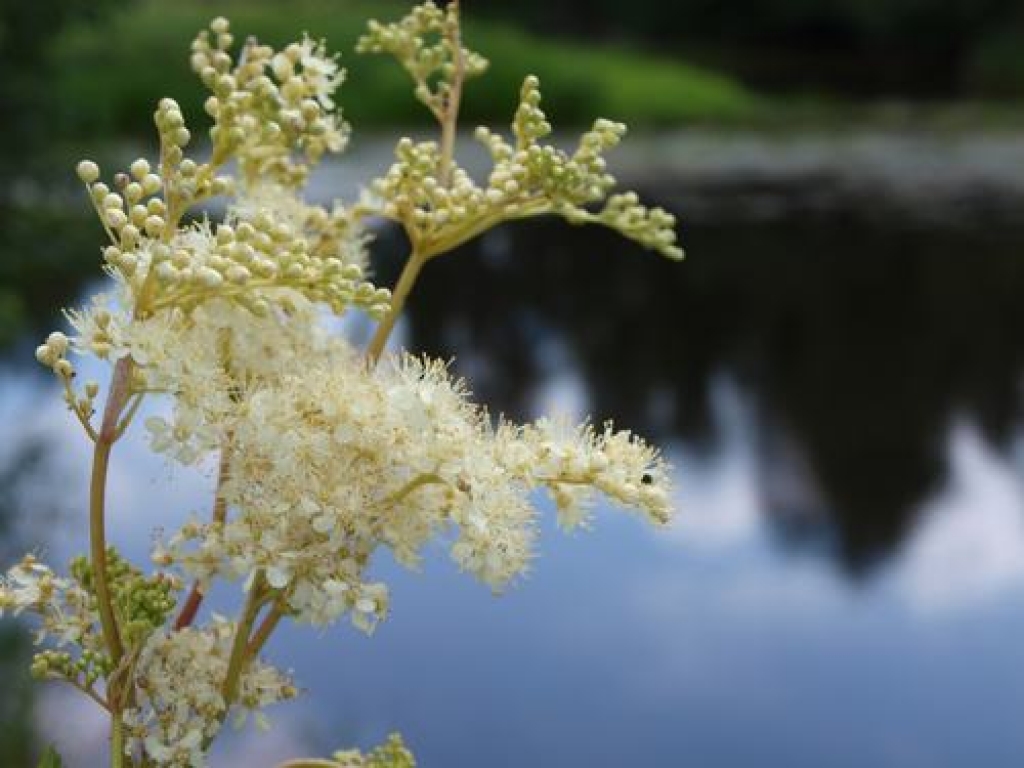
(858,346)
(844,586)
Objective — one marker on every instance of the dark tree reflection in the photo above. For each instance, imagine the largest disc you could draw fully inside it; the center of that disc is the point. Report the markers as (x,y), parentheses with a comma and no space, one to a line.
(27,506)
(858,343)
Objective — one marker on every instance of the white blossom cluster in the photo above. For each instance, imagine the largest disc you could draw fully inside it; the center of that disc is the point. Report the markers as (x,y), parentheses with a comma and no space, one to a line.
(66,621)
(328,454)
(180,704)
(331,459)
(64,607)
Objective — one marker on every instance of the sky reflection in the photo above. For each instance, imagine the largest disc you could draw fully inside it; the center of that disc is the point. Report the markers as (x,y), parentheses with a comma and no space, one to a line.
(715,643)
(844,585)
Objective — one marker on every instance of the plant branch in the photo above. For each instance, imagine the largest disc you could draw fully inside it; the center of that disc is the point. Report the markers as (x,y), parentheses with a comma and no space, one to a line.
(88,690)
(116,399)
(125,422)
(453,99)
(265,629)
(239,648)
(220,509)
(116,740)
(83,418)
(405,283)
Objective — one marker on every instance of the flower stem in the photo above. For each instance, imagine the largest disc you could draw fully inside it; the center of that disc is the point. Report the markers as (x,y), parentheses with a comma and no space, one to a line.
(449,119)
(116,400)
(116,741)
(195,596)
(454,98)
(405,283)
(264,630)
(240,646)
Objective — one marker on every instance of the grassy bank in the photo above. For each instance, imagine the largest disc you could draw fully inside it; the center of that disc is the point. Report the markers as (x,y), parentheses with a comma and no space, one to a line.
(110,76)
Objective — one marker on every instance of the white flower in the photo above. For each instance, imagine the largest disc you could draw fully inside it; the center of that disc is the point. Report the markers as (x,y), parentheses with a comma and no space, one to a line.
(330,460)
(173,720)
(320,71)
(100,328)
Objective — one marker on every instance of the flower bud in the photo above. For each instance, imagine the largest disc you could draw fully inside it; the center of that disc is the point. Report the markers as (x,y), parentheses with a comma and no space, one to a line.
(58,342)
(139,168)
(88,171)
(115,218)
(46,355)
(151,184)
(209,277)
(113,200)
(154,225)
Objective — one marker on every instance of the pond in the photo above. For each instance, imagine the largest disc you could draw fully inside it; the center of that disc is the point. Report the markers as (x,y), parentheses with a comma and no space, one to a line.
(835,373)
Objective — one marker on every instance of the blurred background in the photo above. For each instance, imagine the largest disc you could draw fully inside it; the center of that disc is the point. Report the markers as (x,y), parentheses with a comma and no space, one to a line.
(835,372)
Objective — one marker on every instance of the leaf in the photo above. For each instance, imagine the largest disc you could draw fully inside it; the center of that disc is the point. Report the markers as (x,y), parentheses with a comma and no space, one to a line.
(51,759)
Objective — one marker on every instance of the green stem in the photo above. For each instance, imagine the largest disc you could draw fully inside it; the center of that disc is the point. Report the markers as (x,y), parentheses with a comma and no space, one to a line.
(123,425)
(454,99)
(534,206)
(427,478)
(240,649)
(116,399)
(220,510)
(265,629)
(116,741)
(405,283)
(240,646)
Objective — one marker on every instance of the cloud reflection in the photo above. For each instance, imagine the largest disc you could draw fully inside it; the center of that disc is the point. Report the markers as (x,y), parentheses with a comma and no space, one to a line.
(970,546)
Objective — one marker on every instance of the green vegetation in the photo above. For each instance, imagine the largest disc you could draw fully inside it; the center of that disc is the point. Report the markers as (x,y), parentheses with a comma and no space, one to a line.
(935,48)
(108,88)
(16,697)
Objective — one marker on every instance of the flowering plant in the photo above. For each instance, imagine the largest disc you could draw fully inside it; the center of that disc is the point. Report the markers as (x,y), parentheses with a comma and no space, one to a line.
(326,453)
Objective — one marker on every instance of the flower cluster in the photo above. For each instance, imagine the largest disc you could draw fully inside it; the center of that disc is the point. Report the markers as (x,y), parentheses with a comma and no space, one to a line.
(268,105)
(328,454)
(528,178)
(390,754)
(427,44)
(66,608)
(173,723)
(330,459)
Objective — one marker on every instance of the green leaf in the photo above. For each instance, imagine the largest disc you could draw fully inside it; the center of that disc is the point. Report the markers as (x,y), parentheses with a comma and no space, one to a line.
(50,759)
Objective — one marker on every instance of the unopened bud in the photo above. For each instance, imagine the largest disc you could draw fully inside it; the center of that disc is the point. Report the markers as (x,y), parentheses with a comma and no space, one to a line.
(139,168)
(46,355)
(88,171)
(58,342)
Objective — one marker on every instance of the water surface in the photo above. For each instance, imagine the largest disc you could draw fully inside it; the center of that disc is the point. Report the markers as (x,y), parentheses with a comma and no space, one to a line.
(844,585)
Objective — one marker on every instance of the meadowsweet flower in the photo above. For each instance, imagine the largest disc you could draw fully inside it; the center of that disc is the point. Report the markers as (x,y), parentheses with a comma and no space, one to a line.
(173,722)
(331,460)
(273,110)
(99,328)
(328,454)
(63,608)
(29,585)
